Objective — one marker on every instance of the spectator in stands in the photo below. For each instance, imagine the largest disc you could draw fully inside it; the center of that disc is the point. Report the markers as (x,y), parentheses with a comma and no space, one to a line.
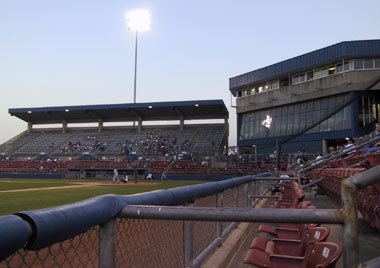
(350,143)
(115,175)
(318,157)
(375,146)
(332,149)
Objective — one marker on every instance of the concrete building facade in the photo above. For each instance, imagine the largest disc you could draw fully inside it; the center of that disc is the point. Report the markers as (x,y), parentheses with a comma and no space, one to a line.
(312,100)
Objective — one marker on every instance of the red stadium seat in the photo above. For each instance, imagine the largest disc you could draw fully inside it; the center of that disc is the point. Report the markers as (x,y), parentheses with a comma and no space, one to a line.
(317,254)
(292,247)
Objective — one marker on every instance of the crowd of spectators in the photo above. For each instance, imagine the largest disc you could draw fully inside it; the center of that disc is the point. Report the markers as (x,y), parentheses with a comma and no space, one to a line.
(89,144)
(161,146)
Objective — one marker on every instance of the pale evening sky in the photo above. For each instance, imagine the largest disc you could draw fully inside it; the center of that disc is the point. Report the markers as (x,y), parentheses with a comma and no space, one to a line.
(80,52)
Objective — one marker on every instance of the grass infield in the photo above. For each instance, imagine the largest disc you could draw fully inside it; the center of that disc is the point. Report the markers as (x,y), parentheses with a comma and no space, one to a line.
(12,202)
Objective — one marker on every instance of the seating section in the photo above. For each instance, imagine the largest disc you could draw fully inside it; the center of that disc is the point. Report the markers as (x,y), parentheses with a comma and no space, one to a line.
(236,169)
(187,167)
(293,245)
(335,171)
(152,141)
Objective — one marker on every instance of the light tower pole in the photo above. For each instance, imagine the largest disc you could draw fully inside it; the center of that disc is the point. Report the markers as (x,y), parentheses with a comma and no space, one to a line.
(138,21)
(134,82)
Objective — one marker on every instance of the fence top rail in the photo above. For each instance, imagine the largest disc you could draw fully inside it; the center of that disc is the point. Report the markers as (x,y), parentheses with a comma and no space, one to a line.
(273,215)
(52,225)
(366,178)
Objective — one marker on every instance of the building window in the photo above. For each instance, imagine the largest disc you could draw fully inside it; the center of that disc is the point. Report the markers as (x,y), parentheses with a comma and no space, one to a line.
(347,66)
(332,70)
(358,64)
(240,94)
(274,85)
(368,64)
(377,63)
(321,73)
(298,79)
(339,68)
(295,80)
(309,76)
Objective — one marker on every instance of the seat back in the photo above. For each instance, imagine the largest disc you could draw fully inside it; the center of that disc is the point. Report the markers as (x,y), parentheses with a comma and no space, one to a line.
(317,234)
(323,254)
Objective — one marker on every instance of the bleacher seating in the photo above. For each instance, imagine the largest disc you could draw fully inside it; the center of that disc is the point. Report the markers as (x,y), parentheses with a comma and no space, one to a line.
(293,245)
(335,171)
(152,141)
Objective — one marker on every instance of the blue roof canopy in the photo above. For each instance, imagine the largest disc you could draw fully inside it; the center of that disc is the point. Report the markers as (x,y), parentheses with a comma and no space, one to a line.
(124,112)
(320,57)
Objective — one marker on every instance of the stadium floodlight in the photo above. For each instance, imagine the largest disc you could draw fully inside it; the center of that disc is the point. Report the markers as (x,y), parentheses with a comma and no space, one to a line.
(137,21)
(267,122)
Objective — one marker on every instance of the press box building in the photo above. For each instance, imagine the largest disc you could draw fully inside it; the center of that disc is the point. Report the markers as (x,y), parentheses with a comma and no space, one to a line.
(322,96)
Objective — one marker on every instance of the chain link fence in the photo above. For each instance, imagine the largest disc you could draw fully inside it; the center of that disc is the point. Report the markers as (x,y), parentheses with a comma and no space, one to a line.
(79,251)
(139,242)
(149,243)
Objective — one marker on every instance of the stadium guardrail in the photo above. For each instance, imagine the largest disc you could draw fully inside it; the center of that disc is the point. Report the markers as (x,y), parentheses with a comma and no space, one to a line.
(179,227)
(82,233)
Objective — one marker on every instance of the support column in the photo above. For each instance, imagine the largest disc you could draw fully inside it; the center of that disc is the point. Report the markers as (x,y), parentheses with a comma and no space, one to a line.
(107,252)
(64,126)
(188,242)
(227,134)
(139,125)
(100,125)
(30,126)
(181,123)
(325,150)
(350,226)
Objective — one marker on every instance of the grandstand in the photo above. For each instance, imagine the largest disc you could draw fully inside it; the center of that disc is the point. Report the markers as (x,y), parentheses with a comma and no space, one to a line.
(145,141)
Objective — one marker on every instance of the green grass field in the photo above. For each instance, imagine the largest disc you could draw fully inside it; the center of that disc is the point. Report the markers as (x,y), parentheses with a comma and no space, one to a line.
(11,202)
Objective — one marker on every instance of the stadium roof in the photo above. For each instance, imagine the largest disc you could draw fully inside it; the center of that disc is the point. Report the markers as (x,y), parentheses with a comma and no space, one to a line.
(320,57)
(124,112)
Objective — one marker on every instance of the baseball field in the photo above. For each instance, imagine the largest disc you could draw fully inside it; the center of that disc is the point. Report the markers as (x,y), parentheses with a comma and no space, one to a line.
(27,194)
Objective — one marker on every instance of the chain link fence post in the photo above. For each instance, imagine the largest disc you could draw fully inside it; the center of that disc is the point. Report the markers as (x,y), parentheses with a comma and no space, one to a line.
(235,197)
(188,242)
(245,194)
(219,224)
(250,193)
(107,238)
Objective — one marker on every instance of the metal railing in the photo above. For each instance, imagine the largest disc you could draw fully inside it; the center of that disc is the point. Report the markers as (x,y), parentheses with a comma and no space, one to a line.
(347,216)
(336,155)
(167,228)
(80,235)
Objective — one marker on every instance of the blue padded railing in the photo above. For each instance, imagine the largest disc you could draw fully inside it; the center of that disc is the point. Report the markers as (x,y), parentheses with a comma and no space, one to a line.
(41,228)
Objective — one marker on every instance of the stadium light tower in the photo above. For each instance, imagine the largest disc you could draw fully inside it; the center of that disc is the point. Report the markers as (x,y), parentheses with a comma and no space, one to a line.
(137,21)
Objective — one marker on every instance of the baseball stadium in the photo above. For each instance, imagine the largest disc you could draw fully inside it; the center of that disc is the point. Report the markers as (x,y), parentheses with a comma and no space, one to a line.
(286,175)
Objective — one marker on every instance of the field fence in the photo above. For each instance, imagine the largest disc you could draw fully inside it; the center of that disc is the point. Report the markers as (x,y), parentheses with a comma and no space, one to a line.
(144,242)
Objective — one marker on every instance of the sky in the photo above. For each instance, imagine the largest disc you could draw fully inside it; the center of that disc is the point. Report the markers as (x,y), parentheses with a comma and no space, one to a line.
(75,52)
